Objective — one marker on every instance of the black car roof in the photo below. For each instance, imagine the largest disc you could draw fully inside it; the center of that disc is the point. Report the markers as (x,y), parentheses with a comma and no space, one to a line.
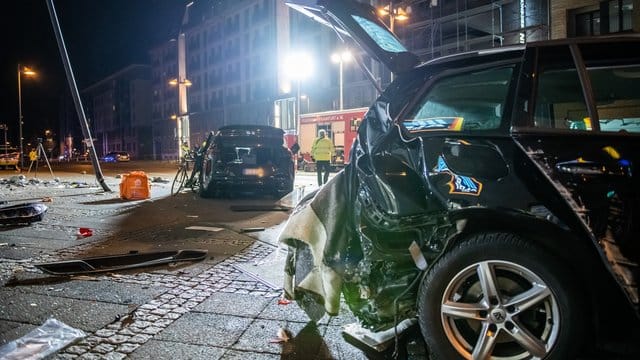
(516,50)
(250,130)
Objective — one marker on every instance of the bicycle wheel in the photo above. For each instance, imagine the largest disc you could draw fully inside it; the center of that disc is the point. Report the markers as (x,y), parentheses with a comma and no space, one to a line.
(179,180)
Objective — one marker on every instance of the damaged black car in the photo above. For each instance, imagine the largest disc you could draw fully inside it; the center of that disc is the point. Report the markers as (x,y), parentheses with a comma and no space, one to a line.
(246,159)
(490,200)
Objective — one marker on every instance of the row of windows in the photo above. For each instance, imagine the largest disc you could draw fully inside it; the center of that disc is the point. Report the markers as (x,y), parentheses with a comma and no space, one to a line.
(258,90)
(234,46)
(611,17)
(216,32)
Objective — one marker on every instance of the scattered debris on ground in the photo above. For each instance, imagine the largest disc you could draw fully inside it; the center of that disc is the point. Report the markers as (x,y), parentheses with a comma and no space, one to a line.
(282,336)
(283,301)
(119,262)
(251,229)
(84,232)
(42,341)
(22,214)
(204,228)
(259,208)
(23,181)
(158,179)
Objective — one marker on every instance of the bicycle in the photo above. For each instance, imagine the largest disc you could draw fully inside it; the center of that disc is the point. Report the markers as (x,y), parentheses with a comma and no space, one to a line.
(183,178)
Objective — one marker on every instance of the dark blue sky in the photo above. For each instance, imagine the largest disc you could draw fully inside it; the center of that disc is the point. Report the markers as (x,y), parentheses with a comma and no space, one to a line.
(101,36)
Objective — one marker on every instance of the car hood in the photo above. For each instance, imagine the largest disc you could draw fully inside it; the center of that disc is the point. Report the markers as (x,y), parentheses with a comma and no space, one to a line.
(358,23)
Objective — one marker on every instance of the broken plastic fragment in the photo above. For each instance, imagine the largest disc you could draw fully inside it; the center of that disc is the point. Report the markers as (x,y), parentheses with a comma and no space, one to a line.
(204,228)
(283,301)
(282,336)
(251,229)
(85,232)
(44,340)
(417,256)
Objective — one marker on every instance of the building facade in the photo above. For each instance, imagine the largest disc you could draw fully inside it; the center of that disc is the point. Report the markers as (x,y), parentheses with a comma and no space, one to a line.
(438,28)
(234,51)
(119,111)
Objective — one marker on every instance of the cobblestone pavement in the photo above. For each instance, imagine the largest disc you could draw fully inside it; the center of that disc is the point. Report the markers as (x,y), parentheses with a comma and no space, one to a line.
(206,310)
(183,294)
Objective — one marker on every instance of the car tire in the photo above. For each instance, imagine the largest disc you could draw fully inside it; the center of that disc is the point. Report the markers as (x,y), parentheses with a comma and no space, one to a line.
(207,188)
(454,309)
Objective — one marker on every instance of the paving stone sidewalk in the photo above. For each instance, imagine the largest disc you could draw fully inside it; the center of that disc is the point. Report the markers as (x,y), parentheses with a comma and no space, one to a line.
(207,310)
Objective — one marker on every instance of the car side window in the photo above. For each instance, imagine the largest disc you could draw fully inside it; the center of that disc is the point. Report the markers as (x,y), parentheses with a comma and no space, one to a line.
(466,101)
(614,70)
(617,94)
(614,75)
(559,100)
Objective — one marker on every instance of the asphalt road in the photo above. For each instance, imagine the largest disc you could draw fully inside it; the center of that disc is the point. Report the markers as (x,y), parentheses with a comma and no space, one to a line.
(165,216)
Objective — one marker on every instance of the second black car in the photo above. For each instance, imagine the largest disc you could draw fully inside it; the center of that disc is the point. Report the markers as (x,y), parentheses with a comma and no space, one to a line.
(247,158)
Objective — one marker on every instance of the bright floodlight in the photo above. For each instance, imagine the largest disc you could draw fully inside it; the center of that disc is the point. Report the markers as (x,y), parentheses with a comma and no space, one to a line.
(298,66)
(286,88)
(344,56)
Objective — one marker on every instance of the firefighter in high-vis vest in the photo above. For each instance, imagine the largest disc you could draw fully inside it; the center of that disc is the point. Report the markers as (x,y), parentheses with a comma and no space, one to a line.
(322,151)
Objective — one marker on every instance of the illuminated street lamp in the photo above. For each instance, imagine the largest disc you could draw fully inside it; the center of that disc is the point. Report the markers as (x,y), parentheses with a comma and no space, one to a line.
(22,70)
(174,82)
(340,58)
(394,13)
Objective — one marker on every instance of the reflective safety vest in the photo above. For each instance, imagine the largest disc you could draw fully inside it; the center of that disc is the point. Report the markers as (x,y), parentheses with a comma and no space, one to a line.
(322,149)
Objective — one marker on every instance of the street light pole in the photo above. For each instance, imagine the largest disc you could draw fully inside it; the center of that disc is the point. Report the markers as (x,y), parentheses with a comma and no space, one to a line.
(391,16)
(298,106)
(394,14)
(20,118)
(340,58)
(341,87)
(184,130)
(306,98)
(182,118)
(28,72)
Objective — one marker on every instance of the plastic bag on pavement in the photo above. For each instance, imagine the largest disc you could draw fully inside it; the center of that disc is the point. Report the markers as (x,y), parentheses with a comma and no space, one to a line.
(42,341)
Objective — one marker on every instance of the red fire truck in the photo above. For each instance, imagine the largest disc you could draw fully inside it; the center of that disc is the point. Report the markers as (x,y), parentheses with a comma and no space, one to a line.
(341,127)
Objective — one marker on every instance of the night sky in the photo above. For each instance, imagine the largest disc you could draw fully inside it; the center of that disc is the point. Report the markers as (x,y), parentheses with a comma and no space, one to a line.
(101,36)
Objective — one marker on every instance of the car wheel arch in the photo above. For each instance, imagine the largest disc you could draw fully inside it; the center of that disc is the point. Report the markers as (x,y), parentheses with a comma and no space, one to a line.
(551,237)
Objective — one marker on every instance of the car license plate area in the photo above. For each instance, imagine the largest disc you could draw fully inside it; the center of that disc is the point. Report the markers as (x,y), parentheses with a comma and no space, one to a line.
(252,172)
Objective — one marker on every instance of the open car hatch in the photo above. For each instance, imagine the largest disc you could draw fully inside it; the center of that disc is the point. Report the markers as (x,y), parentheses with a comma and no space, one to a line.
(359,22)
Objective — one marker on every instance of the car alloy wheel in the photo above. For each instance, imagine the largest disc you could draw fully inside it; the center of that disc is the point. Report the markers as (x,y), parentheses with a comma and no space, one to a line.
(491,304)
(496,296)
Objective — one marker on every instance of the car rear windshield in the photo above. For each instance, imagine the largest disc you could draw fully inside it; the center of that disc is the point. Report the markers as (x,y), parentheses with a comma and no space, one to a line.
(249,155)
